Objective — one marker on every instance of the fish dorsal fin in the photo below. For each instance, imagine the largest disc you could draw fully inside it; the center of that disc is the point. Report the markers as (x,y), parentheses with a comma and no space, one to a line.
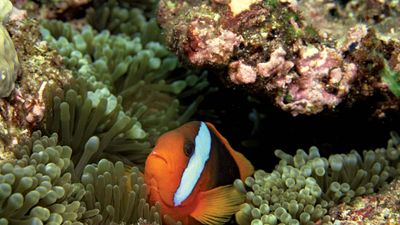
(216,206)
(245,167)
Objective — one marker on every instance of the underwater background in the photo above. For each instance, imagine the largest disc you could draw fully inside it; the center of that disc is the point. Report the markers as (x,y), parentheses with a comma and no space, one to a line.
(87,87)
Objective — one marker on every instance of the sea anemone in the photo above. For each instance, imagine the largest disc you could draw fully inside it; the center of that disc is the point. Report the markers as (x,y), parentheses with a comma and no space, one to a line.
(302,188)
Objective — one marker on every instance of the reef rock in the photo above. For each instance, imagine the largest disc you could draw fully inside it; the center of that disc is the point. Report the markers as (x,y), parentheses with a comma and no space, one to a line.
(305,60)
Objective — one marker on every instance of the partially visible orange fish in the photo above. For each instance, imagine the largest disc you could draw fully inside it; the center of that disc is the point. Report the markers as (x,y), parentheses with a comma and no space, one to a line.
(191,171)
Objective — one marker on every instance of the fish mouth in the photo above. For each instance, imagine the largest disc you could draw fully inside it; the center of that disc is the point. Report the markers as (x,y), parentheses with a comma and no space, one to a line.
(157,181)
(156,195)
(155,159)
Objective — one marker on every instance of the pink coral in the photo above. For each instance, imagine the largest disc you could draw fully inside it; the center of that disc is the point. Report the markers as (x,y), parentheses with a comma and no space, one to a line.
(276,64)
(240,73)
(294,52)
(34,106)
(323,80)
(207,47)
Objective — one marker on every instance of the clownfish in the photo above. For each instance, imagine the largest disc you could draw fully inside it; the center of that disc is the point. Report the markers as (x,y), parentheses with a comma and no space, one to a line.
(190,172)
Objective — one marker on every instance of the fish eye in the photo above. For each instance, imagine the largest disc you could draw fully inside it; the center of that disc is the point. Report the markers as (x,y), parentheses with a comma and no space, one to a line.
(188,149)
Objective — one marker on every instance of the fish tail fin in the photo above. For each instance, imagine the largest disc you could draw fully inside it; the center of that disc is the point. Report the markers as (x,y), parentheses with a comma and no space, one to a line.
(245,167)
(216,206)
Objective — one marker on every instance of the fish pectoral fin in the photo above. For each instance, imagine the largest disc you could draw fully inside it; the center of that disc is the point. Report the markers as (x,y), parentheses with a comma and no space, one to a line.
(216,206)
(193,221)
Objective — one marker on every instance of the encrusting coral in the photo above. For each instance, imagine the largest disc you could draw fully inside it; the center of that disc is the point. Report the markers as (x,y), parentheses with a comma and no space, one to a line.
(271,48)
(8,56)
(39,66)
(379,208)
(302,188)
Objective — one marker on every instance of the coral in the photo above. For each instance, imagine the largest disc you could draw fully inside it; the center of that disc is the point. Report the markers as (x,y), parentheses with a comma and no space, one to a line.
(118,194)
(8,56)
(310,94)
(381,208)
(36,188)
(336,18)
(304,61)
(39,66)
(302,188)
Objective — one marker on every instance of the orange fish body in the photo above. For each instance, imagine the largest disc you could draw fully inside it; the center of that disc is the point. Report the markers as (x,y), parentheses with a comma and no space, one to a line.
(190,172)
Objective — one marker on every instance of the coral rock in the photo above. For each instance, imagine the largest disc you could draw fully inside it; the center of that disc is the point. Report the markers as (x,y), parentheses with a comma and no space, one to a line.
(296,55)
(241,73)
